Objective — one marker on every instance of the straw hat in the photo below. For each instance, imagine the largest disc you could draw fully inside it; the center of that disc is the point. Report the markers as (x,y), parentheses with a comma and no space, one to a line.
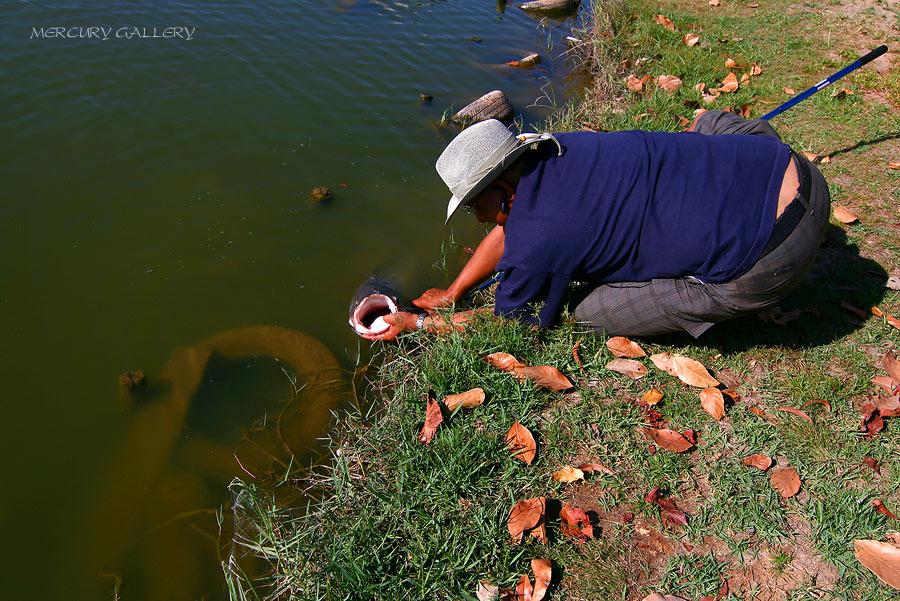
(477,155)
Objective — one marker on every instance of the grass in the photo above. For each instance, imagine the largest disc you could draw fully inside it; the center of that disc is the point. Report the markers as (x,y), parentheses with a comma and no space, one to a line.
(391,518)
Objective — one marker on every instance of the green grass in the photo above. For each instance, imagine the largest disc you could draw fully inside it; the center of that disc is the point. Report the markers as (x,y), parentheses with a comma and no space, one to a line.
(391,518)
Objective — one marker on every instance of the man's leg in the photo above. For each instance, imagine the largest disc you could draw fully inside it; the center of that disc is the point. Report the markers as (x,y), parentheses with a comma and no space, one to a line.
(722,122)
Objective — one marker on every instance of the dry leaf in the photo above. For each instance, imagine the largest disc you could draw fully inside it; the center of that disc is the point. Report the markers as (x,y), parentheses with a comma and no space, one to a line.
(729,84)
(623,347)
(668,439)
(690,39)
(786,481)
(487,591)
(466,400)
(657,596)
(634,84)
(568,474)
(590,468)
(872,423)
(887,316)
(628,367)
(880,508)
(762,462)
(574,522)
(526,515)
(433,419)
(665,22)
(713,402)
(841,93)
(665,362)
(504,361)
(714,2)
(887,406)
(521,443)
(883,559)
(576,357)
(669,83)
(544,375)
(652,397)
(671,514)
(819,401)
(523,589)
(757,411)
(730,63)
(844,215)
(872,463)
(543,574)
(894,165)
(796,412)
(755,70)
(789,91)
(692,372)
(891,365)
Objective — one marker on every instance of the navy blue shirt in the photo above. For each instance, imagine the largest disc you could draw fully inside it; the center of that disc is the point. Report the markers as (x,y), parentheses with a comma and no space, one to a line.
(632,206)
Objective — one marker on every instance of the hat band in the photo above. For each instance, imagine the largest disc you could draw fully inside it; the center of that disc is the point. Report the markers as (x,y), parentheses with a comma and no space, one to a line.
(509,145)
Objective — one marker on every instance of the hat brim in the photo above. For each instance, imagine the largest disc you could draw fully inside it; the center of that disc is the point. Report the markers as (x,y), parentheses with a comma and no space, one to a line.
(482,183)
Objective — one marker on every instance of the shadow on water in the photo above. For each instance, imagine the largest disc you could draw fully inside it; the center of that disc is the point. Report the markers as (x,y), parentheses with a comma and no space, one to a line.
(154,524)
(839,275)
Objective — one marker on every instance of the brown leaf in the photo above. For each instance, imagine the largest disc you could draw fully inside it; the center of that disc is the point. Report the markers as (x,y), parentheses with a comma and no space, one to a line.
(628,367)
(755,70)
(786,481)
(670,513)
(872,423)
(523,589)
(883,559)
(880,508)
(796,412)
(576,357)
(657,596)
(669,83)
(690,39)
(544,375)
(713,402)
(466,400)
(590,468)
(757,411)
(730,63)
(844,215)
(526,515)
(543,574)
(668,439)
(623,347)
(887,316)
(761,462)
(665,22)
(574,522)
(692,372)
(652,397)
(872,463)
(841,93)
(729,84)
(634,84)
(487,591)
(712,3)
(894,165)
(433,419)
(665,362)
(789,91)
(891,365)
(504,361)
(521,443)
(819,401)
(887,406)
(568,474)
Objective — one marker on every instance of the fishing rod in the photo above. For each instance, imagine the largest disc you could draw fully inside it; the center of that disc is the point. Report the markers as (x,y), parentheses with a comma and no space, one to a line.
(827,81)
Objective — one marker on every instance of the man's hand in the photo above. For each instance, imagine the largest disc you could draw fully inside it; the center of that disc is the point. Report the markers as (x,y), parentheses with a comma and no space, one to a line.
(399,322)
(435,299)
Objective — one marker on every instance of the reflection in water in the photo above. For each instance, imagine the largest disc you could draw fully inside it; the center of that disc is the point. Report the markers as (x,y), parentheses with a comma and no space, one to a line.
(154,519)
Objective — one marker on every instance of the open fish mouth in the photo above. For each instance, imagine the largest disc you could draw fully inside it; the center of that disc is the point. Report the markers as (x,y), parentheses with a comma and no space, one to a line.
(368,317)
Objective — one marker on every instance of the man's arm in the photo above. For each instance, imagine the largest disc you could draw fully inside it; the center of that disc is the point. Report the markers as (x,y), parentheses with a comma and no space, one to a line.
(406,322)
(477,269)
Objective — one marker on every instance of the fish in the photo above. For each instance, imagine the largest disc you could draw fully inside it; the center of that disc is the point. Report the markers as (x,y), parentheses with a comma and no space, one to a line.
(372,302)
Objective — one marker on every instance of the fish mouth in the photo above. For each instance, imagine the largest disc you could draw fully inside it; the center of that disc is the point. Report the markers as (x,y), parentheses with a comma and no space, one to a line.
(368,317)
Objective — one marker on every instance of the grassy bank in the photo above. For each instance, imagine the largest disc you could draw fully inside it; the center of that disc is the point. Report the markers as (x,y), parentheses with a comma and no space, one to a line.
(398,519)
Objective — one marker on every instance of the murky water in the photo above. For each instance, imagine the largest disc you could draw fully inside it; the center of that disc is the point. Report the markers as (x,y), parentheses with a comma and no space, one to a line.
(155,205)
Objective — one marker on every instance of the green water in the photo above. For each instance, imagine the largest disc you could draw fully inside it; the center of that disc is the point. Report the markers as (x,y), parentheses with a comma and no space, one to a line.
(155,195)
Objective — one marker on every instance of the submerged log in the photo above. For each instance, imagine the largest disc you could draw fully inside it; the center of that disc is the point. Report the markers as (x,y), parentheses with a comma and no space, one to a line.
(527,62)
(549,6)
(492,105)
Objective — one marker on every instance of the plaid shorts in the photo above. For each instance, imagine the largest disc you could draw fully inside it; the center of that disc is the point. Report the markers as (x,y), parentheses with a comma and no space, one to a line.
(667,305)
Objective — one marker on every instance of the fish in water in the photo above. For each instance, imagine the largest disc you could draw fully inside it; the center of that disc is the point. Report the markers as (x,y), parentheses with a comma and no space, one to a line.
(373,300)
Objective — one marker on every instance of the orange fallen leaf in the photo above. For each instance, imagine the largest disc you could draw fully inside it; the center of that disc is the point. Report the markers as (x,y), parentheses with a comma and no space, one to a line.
(796,412)
(525,516)
(568,474)
(665,362)
(574,522)
(889,384)
(623,347)
(713,402)
(894,165)
(841,93)
(761,462)
(786,481)
(669,83)
(692,372)
(714,2)
(729,84)
(819,401)
(523,589)
(887,316)
(543,574)
(690,39)
(872,423)
(873,464)
(485,591)
(668,439)
(755,70)
(670,512)
(883,559)
(757,411)
(544,375)
(887,406)
(789,91)
(844,215)
(576,357)
(652,397)
(433,418)
(634,84)
(628,367)
(891,365)
(730,63)
(466,400)
(665,22)
(521,443)
(880,508)
(745,110)
(657,596)
(503,361)
(590,468)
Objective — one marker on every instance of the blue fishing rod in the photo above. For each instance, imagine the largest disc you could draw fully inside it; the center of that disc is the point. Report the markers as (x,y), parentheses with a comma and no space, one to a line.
(827,81)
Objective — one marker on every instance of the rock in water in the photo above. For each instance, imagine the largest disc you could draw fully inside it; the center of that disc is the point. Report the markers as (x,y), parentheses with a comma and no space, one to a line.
(320,194)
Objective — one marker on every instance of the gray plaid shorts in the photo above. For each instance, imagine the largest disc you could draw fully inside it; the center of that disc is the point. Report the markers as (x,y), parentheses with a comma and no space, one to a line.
(667,305)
